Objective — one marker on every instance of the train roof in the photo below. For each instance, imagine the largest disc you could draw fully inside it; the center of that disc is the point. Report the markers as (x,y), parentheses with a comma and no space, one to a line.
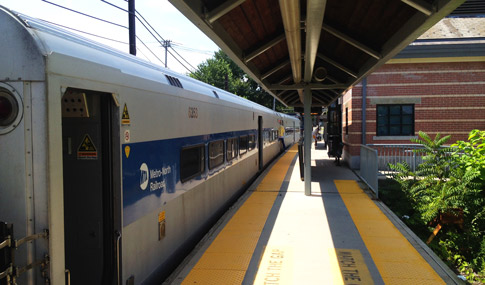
(55,44)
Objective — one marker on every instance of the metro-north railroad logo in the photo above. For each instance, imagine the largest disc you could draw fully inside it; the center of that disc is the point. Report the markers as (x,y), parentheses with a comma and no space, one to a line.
(143,176)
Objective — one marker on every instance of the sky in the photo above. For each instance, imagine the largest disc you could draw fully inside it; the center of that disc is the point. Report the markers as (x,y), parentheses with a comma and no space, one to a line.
(188,41)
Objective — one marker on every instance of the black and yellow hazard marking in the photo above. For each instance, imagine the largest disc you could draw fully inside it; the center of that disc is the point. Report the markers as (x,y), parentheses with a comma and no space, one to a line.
(396,259)
(125,118)
(227,259)
(352,267)
(86,149)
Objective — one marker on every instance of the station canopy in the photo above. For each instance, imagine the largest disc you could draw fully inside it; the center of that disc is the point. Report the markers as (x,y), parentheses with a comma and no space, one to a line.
(288,46)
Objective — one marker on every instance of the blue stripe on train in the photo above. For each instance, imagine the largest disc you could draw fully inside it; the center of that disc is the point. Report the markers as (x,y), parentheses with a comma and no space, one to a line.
(151,172)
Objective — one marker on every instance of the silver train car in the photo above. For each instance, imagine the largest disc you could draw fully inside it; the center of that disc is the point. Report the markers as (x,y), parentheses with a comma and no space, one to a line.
(112,168)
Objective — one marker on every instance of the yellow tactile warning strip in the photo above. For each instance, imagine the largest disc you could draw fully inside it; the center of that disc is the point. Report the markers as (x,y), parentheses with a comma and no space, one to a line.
(396,259)
(228,257)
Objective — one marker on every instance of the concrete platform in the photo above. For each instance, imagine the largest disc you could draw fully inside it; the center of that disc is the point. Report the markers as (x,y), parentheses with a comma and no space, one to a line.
(275,234)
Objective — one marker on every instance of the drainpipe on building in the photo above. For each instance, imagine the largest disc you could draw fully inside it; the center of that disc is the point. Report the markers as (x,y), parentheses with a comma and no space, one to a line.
(364,106)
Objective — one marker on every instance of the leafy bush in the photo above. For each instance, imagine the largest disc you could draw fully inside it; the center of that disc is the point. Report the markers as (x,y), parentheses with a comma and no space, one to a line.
(450,182)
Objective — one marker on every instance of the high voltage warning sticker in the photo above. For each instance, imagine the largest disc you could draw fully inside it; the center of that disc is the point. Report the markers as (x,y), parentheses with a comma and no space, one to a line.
(86,149)
(125,119)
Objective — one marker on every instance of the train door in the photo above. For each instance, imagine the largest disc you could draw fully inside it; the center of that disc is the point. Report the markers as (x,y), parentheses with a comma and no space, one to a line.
(260,142)
(89,219)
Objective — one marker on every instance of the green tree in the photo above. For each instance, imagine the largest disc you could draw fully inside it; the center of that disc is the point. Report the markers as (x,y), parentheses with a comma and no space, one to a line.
(470,155)
(437,186)
(220,71)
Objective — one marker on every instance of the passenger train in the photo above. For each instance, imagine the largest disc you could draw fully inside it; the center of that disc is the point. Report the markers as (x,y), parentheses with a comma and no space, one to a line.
(112,168)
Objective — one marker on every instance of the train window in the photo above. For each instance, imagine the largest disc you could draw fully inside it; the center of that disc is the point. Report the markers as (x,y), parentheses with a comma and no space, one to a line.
(252,142)
(232,147)
(243,145)
(273,135)
(266,136)
(216,153)
(192,161)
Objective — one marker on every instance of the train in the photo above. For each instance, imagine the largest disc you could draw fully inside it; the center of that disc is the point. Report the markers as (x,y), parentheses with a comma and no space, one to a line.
(112,168)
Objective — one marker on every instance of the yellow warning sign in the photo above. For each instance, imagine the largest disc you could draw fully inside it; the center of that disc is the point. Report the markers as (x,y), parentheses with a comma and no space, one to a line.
(86,149)
(161,216)
(125,119)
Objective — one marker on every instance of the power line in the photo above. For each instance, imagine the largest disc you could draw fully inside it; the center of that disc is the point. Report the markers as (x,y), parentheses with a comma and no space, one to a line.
(162,40)
(150,28)
(207,52)
(149,25)
(84,14)
(122,9)
(193,68)
(143,21)
(84,32)
(150,50)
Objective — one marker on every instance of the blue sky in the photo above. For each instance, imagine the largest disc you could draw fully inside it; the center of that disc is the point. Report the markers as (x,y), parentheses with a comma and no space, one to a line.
(187,40)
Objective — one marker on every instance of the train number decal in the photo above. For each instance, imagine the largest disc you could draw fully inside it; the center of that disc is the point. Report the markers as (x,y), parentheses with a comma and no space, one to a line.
(193,113)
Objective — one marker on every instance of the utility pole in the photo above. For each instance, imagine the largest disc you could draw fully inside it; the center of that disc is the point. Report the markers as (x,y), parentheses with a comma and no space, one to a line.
(131,26)
(166,44)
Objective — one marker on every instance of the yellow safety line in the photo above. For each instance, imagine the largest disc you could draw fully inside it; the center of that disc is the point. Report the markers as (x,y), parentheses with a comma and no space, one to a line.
(227,259)
(396,259)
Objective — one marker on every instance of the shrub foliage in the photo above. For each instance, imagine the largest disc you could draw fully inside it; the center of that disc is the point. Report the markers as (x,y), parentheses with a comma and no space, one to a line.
(450,183)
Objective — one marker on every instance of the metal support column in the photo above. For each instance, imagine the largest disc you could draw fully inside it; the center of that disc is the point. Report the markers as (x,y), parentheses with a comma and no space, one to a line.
(131,26)
(307,104)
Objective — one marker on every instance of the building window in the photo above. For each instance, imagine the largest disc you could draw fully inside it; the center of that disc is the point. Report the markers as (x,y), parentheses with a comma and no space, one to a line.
(216,153)
(232,147)
(192,160)
(395,120)
(243,145)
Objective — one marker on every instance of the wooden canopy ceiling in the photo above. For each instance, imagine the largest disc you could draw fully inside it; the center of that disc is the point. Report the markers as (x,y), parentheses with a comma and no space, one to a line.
(325,45)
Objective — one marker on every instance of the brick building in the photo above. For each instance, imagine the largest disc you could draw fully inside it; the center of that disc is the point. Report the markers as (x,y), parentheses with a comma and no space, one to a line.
(437,84)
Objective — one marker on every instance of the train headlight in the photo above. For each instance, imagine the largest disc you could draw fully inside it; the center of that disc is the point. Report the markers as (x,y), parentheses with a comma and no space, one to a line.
(10,110)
